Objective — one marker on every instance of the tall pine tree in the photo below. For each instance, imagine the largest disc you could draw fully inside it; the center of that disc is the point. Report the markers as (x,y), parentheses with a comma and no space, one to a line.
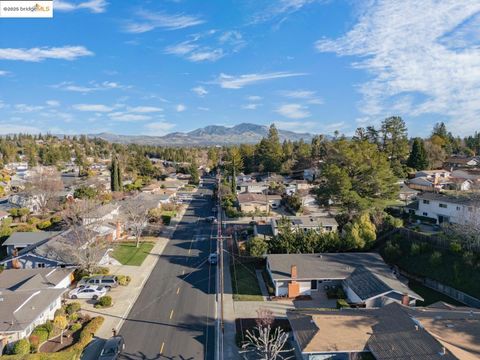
(115,175)
(418,159)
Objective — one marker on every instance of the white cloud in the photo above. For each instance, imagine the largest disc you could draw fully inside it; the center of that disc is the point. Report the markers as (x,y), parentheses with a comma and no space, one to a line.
(293,111)
(144,109)
(206,55)
(202,108)
(254,98)
(159,128)
(200,91)
(309,96)
(181,108)
(4,73)
(92,86)
(7,128)
(281,8)
(94,6)
(127,117)
(194,52)
(43,53)
(435,62)
(92,107)
(233,39)
(24,108)
(252,106)
(52,103)
(297,126)
(150,21)
(238,82)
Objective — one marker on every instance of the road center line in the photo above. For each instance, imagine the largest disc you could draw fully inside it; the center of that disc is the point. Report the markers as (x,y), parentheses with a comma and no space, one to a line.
(161,348)
(178,290)
(171,314)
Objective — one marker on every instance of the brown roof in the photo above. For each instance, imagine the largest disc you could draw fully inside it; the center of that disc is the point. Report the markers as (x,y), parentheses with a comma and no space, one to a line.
(393,332)
(251,197)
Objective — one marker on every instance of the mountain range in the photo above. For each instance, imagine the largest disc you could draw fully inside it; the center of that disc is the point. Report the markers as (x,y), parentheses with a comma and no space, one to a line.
(244,133)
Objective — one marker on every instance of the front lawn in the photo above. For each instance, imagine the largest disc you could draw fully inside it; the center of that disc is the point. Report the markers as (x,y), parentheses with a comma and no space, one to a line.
(128,254)
(244,282)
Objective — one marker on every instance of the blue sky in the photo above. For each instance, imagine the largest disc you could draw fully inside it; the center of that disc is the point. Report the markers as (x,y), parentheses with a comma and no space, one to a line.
(154,67)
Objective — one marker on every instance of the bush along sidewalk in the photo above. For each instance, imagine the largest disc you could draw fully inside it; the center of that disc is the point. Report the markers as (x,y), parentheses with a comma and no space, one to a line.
(104,302)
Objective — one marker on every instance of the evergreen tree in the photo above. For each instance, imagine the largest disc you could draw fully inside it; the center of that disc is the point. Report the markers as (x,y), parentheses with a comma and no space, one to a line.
(418,159)
(115,177)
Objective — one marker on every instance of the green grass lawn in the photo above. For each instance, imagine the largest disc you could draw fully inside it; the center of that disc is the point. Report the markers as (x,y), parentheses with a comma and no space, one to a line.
(431,296)
(128,254)
(244,282)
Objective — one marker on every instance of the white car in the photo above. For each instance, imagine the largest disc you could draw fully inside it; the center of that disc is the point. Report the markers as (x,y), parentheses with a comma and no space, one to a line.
(88,292)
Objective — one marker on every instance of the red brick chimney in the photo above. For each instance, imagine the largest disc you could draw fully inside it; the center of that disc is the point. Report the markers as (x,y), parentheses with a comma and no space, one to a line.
(405,299)
(293,272)
(118,230)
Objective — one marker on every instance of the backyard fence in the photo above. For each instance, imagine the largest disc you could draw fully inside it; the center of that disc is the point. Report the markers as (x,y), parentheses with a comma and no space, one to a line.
(445,289)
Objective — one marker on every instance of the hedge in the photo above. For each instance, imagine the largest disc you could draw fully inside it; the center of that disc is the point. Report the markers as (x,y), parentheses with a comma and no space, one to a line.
(342,303)
(86,335)
(21,347)
(104,301)
(123,280)
(73,308)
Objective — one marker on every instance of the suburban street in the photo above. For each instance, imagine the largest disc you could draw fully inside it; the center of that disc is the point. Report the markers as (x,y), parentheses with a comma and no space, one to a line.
(174,316)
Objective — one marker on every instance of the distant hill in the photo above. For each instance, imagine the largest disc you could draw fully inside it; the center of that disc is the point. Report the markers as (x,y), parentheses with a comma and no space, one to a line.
(210,135)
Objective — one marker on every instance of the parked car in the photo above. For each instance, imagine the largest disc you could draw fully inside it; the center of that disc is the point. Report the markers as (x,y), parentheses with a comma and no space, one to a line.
(112,348)
(212,219)
(213,258)
(88,292)
(109,281)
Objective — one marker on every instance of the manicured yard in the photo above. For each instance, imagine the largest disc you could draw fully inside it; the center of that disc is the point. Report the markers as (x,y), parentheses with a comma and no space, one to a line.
(244,282)
(128,254)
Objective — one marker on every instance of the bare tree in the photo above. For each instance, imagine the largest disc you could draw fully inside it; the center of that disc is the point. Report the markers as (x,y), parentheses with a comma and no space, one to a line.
(136,214)
(83,243)
(265,343)
(44,184)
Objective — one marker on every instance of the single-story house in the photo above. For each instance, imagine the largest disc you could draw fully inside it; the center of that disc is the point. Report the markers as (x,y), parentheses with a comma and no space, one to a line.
(29,298)
(252,187)
(364,277)
(393,332)
(59,251)
(102,214)
(305,223)
(21,240)
(455,162)
(251,202)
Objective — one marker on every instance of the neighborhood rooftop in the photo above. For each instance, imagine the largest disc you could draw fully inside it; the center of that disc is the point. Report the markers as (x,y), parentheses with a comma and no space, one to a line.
(22,238)
(29,279)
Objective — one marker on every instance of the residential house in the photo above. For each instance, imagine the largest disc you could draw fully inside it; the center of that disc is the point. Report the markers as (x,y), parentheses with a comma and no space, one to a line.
(295,186)
(305,223)
(393,332)
(365,278)
(29,298)
(61,250)
(456,162)
(429,180)
(444,208)
(251,202)
(20,240)
(102,214)
(252,187)
(406,193)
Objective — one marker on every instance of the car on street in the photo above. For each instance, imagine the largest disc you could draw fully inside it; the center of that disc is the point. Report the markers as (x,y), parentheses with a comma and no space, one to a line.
(112,348)
(212,219)
(213,258)
(88,292)
(109,281)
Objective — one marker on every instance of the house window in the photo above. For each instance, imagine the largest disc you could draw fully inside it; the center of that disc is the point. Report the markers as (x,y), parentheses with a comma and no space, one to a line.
(425,214)
(458,208)
(40,265)
(443,205)
(328,228)
(313,285)
(426,202)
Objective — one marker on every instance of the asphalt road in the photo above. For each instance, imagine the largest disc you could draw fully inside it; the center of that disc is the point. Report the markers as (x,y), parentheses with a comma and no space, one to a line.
(174,316)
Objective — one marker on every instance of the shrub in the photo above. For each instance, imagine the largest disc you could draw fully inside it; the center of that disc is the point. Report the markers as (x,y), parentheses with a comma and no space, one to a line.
(41,333)
(415,249)
(456,247)
(33,220)
(86,335)
(101,270)
(104,301)
(436,258)
(340,293)
(79,274)
(75,327)
(342,303)
(49,327)
(26,228)
(257,247)
(60,312)
(166,219)
(21,347)
(392,251)
(44,224)
(56,219)
(73,308)
(73,317)
(34,343)
(123,280)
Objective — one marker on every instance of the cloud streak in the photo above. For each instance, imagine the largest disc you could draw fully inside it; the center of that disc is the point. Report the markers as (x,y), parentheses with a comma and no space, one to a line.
(293,111)
(39,54)
(237,82)
(149,21)
(94,6)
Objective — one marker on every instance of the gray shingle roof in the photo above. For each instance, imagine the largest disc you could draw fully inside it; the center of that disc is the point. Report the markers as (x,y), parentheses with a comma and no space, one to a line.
(29,238)
(20,308)
(29,279)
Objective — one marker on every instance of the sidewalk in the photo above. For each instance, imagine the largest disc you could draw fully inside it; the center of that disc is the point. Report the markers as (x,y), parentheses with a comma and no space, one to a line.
(230,349)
